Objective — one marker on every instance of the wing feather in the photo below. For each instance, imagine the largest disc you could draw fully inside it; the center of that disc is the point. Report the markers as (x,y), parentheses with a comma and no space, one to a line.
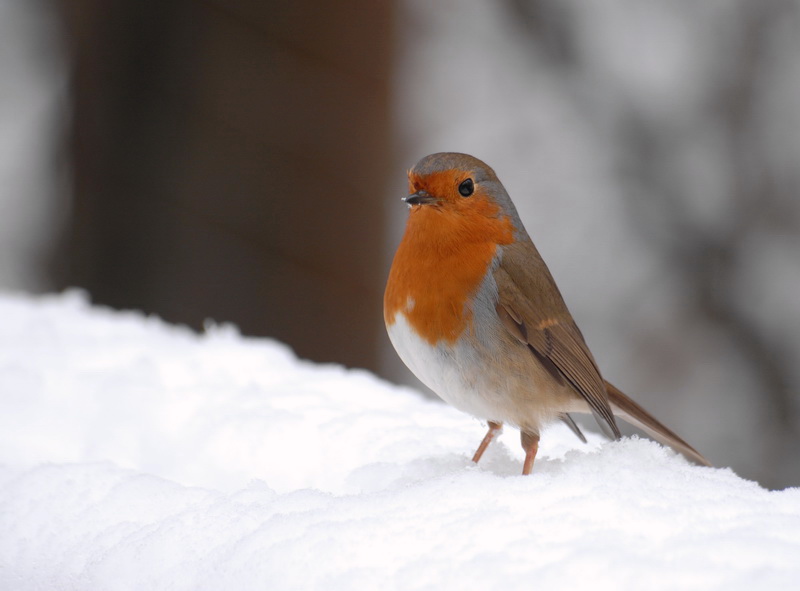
(536,315)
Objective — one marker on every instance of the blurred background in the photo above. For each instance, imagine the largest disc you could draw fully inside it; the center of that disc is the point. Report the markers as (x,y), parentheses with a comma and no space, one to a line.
(244,160)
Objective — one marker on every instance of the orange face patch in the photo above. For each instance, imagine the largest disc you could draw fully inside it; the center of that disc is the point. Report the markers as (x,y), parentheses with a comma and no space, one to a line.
(443,185)
(443,257)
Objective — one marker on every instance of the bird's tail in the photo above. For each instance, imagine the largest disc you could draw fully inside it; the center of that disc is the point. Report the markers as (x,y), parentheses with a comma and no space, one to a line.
(634,414)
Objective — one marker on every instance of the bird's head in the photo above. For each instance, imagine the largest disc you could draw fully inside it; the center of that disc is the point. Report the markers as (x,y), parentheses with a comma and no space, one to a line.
(452,183)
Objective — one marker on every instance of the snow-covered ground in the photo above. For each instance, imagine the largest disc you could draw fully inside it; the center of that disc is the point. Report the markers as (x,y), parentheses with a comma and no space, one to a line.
(138,455)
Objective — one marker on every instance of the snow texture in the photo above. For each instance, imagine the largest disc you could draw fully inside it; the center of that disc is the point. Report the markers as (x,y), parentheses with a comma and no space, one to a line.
(138,455)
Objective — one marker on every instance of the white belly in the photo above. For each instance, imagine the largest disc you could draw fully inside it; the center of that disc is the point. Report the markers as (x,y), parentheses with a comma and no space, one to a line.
(452,372)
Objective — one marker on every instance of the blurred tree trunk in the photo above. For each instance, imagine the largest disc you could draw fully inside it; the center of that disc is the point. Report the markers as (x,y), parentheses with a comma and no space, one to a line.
(229,162)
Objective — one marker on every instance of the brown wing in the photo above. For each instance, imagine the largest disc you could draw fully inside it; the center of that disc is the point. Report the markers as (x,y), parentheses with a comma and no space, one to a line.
(531,308)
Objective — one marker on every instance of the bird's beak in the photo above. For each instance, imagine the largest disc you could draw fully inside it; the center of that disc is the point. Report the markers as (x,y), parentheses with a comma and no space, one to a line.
(420,198)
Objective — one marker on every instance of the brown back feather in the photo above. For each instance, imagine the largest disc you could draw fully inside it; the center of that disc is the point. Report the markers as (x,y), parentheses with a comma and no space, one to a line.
(530,298)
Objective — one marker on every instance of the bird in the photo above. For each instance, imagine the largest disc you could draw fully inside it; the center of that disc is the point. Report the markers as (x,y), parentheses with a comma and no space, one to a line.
(472,309)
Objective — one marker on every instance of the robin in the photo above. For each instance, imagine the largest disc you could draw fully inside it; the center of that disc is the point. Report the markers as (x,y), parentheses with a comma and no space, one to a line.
(472,310)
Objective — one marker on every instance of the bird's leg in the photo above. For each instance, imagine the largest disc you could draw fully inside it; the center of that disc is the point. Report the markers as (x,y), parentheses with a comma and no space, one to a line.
(530,443)
(494,429)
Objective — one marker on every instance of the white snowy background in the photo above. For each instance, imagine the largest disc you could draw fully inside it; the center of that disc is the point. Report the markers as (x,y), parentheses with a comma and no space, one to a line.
(138,455)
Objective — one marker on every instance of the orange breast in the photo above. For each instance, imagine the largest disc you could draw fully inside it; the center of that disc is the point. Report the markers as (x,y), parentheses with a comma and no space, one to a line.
(439,265)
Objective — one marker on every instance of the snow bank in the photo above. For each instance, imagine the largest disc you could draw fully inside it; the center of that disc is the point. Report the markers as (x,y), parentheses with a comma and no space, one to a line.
(138,455)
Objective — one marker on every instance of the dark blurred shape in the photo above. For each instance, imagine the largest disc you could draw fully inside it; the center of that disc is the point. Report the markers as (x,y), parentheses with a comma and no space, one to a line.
(229,162)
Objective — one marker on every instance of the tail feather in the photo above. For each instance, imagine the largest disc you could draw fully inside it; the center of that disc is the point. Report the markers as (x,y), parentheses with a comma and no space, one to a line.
(634,414)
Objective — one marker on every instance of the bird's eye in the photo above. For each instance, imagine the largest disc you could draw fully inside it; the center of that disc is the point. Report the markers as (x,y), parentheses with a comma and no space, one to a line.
(466,188)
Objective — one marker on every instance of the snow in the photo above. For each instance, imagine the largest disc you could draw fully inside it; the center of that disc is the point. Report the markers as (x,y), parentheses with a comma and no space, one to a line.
(139,455)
